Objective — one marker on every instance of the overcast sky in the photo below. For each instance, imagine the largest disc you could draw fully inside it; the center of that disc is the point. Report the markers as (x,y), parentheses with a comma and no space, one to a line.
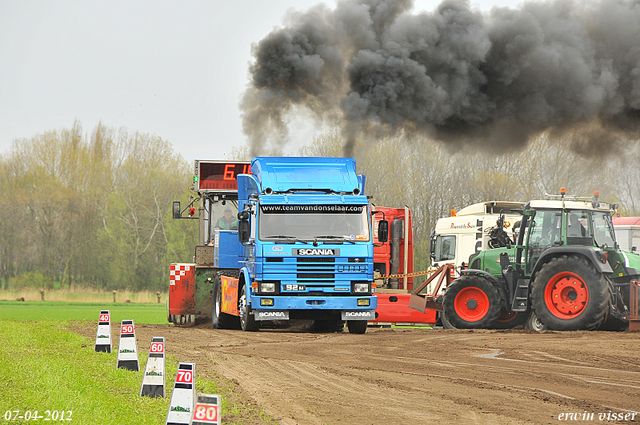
(176,69)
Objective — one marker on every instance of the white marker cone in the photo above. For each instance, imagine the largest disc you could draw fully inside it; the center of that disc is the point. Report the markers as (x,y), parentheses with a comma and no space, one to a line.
(127,348)
(103,336)
(153,379)
(207,410)
(183,395)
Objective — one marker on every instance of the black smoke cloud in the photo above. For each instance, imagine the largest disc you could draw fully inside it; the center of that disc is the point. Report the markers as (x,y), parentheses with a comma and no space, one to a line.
(463,77)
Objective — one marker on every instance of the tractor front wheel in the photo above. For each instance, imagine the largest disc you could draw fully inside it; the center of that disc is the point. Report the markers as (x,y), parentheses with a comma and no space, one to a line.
(511,320)
(472,302)
(568,294)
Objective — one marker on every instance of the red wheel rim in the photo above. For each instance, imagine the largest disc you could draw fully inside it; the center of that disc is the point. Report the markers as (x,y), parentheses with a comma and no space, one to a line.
(566,295)
(471,304)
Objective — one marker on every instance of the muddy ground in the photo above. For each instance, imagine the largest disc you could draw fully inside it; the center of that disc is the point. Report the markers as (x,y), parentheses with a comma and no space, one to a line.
(416,376)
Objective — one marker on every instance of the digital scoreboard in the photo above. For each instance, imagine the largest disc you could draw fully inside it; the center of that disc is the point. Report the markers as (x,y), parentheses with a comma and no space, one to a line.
(219,176)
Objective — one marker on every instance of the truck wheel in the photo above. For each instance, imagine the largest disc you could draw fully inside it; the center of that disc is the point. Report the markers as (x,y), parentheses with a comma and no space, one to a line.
(219,319)
(330,325)
(247,321)
(569,294)
(357,326)
(534,323)
(510,320)
(472,302)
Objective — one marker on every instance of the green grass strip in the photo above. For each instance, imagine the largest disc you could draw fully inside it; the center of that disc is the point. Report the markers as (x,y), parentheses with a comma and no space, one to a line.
(37,310)
(43,366)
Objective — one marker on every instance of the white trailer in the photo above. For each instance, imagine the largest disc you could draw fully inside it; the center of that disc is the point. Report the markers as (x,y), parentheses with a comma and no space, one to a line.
(466,232)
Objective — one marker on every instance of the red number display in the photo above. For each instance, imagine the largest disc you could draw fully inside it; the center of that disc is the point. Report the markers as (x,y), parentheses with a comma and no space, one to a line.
(126,329)
(104,317)
(220,175)
(185,377)
(157,347)
(205,413)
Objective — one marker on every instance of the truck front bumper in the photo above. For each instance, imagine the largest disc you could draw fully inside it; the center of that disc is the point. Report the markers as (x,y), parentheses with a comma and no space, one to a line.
(351,304)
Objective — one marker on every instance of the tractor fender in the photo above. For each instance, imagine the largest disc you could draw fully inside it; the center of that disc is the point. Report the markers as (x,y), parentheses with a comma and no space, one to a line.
(589,253)
(496,281)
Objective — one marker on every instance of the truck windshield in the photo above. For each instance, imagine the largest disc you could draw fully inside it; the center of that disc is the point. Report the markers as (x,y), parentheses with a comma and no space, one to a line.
(339,222)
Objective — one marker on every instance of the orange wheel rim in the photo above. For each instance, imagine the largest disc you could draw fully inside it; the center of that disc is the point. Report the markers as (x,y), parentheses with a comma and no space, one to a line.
(566,295)
(471,304)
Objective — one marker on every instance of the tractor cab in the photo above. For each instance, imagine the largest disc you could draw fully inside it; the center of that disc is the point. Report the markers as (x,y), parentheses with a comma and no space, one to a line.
(573,224)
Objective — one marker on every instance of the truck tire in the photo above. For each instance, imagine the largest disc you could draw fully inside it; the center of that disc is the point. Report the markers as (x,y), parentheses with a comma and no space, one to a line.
(357,326)
(472,302)
(534,323)
(219,319)
(329,325)
(247,321)
(569,294)
(511,320)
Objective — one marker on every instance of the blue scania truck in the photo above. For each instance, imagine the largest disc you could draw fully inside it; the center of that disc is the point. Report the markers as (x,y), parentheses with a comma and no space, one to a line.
(302,247)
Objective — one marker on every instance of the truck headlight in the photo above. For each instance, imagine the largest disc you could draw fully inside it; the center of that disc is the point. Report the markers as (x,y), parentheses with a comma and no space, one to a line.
(361,287)
(267,287)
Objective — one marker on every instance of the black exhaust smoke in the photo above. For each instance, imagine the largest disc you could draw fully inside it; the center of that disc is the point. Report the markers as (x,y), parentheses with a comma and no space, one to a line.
(492,80)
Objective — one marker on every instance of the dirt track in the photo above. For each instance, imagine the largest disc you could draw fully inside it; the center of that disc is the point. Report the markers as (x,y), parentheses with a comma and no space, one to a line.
(416,376)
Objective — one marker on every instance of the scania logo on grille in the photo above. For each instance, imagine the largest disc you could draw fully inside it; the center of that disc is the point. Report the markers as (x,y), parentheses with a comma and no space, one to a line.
(316,251)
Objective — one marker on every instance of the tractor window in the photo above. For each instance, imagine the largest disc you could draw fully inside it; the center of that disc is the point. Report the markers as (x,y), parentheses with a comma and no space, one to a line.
(445,248)
(584,227)
(578,229)
(544,231)
(602,229)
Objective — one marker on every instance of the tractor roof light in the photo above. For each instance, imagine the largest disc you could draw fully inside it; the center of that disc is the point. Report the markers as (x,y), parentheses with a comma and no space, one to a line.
(563,191)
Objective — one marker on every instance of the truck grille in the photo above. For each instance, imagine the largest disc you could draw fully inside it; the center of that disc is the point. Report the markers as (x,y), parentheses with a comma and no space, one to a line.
(320,269)
(326,275)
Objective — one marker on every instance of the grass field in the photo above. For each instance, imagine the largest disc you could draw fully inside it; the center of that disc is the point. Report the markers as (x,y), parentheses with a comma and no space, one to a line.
(47,368)
(36,310)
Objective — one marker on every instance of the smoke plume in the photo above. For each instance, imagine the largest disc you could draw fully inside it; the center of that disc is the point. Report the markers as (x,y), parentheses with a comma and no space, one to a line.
(463,77)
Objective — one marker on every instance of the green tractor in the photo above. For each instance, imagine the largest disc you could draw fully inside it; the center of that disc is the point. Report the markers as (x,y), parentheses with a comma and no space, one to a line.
(564,271)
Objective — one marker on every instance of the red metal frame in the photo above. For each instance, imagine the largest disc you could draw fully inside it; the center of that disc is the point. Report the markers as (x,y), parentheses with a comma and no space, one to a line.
(423,302)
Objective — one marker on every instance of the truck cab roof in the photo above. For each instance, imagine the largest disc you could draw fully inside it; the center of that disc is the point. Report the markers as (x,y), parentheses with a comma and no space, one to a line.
(289,174)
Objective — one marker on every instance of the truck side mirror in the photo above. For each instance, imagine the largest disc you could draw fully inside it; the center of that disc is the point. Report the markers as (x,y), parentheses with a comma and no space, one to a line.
(176,209)
(244,231)
(244,227)
(383,231)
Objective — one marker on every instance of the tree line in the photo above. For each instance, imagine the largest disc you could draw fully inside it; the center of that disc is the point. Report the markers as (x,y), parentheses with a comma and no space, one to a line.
(94,209)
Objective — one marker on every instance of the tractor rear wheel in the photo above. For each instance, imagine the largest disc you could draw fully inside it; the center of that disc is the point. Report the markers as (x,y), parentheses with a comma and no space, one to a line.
(569,294)
(472,302)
